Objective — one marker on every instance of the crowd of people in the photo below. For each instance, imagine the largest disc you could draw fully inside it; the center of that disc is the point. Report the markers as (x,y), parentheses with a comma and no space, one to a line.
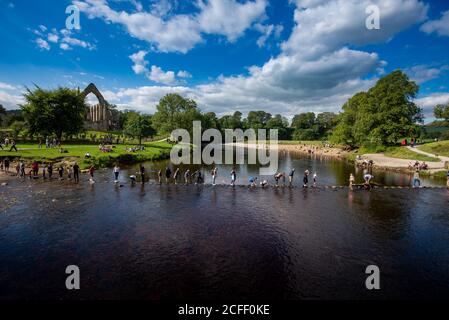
(7,143)
(72,172)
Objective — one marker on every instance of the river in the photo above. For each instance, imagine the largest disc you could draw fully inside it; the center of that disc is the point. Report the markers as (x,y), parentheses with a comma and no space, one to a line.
(203,242)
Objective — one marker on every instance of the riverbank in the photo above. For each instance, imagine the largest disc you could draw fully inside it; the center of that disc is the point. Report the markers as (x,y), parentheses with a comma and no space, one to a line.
(317,148)
(77,153)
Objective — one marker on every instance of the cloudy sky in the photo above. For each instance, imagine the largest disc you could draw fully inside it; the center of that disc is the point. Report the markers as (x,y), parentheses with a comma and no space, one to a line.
(281,56)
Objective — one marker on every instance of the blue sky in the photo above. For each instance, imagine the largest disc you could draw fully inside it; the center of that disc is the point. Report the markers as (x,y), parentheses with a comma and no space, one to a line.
(281,56)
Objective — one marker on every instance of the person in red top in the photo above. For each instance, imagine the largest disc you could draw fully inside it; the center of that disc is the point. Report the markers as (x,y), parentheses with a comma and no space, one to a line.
(35,168)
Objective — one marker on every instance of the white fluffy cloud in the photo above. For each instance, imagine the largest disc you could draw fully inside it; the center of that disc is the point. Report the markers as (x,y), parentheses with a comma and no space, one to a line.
(181,32)
(440,26)
(422,73)
(42,44)
(429,102)
(10,96)
(155,73)
(64,37)
(318,69)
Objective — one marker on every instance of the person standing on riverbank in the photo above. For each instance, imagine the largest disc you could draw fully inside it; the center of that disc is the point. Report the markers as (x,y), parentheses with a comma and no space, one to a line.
(315,179)
(416,179)
(76,172)
(116,172)
(44,171)
(13,146)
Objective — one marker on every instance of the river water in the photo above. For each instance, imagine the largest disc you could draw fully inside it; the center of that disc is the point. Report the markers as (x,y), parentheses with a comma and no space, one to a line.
(203,242)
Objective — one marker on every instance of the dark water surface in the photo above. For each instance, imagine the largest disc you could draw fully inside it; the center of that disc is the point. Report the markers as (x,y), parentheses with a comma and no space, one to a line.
(160,242)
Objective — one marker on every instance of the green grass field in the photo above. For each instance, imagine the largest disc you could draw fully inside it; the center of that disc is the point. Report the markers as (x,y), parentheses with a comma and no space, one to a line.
(439,148)
(153,151)
(404,153)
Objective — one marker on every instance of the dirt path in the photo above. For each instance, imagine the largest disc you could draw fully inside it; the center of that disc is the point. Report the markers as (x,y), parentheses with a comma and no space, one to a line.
(444,159)
(381,161)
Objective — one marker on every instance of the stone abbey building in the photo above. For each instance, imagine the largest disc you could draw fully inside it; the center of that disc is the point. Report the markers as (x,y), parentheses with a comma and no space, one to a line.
(100,117)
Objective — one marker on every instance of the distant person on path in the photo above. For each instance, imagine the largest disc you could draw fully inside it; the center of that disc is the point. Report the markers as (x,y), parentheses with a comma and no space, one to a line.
(13,146)
(76,172)
(233,177)
(315,179)
(116,172)
(187,176)
(351,181)
(167,175)
(214,175)
(416,179)
(44,171)
(290,177)
(305,180)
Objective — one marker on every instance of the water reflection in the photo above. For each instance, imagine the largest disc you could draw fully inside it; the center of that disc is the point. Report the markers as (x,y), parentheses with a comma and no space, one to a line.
(201,242)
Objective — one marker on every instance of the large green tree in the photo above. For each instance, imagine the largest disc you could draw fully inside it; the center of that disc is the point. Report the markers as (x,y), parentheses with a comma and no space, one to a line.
(138,126)
(279,123)
(442,112)
(58,112)
(383,115)
(175,112)
(257,120)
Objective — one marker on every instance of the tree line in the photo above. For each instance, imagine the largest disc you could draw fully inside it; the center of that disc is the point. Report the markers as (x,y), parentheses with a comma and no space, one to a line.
(382,115)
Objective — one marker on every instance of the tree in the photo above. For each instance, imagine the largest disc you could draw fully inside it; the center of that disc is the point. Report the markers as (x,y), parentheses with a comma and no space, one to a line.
(138,126)
(175,112)
(303,120)
(231,122)
(381,116)
(281,124)
(210,121)
(17,128)
(442,112)
(2,114)
(257,120)
(60,111)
